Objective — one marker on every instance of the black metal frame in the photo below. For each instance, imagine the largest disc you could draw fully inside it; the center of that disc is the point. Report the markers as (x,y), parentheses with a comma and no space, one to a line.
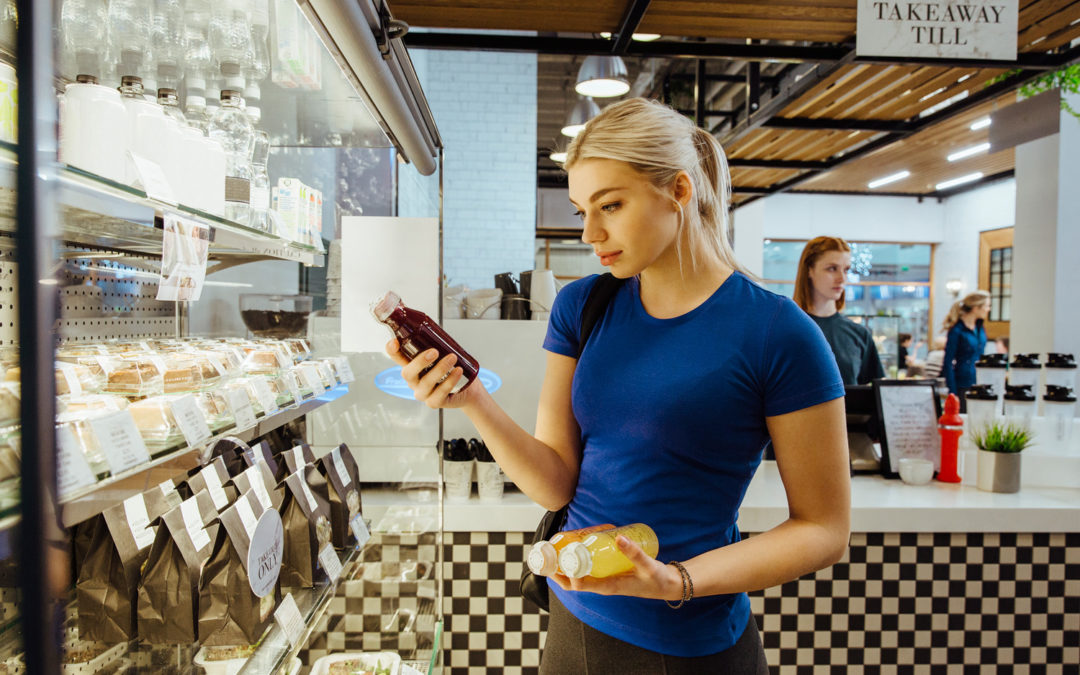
(42,562)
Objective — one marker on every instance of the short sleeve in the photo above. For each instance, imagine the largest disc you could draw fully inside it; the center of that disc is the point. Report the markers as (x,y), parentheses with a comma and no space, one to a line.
(799,367)
(564,324)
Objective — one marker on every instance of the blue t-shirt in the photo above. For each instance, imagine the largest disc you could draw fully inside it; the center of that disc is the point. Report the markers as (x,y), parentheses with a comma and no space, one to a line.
(963,347)
(672,416)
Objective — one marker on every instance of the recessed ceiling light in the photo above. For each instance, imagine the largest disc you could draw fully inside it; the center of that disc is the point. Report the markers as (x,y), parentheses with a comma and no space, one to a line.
(980,124)
(968,152)
(891,178)
(971,177)
(640,37)
(558,157)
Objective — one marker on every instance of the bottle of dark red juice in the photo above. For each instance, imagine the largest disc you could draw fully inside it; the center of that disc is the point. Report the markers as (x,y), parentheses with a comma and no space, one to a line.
(418,332)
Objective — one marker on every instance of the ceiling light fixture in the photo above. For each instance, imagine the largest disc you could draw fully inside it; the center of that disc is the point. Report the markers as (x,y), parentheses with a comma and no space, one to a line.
(583,111)
(980,124)
(639,37)
(602,77)
(558,157)
(971,177)
(968,152)
(891,178)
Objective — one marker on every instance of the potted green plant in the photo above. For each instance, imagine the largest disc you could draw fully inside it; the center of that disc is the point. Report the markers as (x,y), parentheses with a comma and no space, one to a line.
(999,446)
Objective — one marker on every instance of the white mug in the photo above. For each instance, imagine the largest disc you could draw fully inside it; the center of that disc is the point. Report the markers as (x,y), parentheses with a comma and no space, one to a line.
(542,294)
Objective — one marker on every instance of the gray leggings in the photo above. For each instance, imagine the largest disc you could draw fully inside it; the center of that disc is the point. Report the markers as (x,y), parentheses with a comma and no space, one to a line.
(573,648)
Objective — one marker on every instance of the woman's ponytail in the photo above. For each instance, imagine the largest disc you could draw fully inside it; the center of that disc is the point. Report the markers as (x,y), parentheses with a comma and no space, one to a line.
(962,307)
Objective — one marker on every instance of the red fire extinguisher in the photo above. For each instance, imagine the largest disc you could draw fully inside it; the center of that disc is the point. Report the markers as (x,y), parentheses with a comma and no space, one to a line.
(951,428)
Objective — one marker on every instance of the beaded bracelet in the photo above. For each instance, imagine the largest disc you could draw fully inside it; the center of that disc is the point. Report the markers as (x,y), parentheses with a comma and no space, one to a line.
(687,586)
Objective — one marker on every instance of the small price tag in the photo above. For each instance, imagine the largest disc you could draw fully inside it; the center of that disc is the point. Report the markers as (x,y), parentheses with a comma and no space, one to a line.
(190,419)
(153,180)
(283,359)
(120,441)
(167,487)
(326,373)
(218,364)
(360,530)
(331,563)
(138,521)
(189,509)
(339,466)
(214,486)
(345,370)
(71,378)
(265,397)
(145,346)
(240,405)
(254,476)
(308,494)
(312,378)
(72,469)
(287,616)
(298,457)
(158,362)
(247,516)
(294,387)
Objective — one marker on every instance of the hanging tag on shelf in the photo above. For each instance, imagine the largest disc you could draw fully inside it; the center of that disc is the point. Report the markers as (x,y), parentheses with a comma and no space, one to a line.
(331,563)
(345,370)
(120,441)
(185,246)
(288,617)
(359,530)
(240,405)
(72,469)
(266,397)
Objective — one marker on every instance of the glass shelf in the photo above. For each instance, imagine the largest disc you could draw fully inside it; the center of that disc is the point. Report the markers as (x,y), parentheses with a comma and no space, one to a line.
(101,213)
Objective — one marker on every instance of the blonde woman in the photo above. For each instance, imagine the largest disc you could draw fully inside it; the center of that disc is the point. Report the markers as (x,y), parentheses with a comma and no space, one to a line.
(965,340)
(663,418)
(819,290)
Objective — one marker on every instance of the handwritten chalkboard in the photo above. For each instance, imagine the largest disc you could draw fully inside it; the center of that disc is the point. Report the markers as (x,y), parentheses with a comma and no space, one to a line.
(908,410)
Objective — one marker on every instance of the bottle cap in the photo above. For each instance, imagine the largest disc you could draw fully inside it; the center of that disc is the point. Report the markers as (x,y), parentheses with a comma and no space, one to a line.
(1058,360)
(130,81)
(1019,392)
(951,416)
(575,561)
(542,559)
(1025,361)
(166,96)
(991,361)
(1059,394)
(980,392)
(382,307)
(86,79)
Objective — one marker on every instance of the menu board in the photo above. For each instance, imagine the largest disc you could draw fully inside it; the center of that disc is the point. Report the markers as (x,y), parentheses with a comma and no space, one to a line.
(908,410)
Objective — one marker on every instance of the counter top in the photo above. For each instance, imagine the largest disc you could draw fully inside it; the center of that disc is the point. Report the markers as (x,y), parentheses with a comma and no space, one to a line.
(878,505)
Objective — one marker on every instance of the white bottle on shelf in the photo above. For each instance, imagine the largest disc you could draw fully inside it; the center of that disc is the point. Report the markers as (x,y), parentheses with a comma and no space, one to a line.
(94,129)
(232,128)
(150,132)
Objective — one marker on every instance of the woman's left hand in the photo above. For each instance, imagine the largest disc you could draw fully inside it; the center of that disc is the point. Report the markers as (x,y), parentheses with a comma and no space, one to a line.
(650,578)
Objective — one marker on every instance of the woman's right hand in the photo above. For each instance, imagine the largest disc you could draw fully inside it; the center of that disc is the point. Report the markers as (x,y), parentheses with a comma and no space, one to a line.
(426,386)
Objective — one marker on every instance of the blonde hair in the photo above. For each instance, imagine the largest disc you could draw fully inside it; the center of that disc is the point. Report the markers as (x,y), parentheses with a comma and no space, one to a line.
(961,307)
(658,143)
(814,249)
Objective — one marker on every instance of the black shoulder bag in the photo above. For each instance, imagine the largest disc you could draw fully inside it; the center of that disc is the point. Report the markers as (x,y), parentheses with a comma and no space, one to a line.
(534,587)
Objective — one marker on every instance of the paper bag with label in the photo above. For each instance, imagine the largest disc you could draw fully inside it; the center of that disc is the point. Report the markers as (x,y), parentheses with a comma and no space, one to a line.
(262,452)
(343,496)
(306,519)
(168,601)
(259,479)
(290,461)
(230,613)
(213,478)
(109,575)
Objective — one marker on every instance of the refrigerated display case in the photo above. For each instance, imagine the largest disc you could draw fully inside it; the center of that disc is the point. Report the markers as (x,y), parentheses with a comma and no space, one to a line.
(99,356)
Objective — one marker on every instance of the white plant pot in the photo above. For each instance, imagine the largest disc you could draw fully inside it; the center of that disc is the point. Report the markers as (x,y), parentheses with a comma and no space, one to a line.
(998,471)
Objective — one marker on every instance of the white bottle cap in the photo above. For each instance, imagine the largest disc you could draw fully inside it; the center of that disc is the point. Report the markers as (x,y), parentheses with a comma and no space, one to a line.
(542,559)
(575,561)
(382,307)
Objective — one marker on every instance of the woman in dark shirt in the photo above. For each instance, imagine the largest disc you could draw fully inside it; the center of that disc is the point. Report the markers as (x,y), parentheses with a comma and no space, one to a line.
(819,290)
(966,340)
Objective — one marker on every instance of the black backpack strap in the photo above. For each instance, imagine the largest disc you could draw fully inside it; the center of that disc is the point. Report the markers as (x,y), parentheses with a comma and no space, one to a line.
(600,295)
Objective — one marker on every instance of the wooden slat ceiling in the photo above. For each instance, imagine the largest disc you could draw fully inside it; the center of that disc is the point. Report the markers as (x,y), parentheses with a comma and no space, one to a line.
(858,91)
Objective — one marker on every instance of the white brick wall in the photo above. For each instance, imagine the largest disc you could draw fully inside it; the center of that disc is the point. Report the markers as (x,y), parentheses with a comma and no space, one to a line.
(485,107)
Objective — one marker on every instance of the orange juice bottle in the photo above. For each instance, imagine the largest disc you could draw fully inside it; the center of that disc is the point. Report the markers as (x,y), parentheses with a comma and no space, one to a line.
(543,557)
(599,556)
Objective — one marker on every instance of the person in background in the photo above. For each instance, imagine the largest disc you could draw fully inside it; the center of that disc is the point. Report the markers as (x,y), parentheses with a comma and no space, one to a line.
(935,357)
(627,431)
(903,341)
(819,290)
(965,341)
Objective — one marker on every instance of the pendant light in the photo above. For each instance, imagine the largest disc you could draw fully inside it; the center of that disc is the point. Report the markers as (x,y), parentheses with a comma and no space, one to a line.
(602,77)
(583,111)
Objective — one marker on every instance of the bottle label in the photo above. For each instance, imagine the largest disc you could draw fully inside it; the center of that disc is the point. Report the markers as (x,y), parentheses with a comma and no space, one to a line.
(260,197)
(237,190)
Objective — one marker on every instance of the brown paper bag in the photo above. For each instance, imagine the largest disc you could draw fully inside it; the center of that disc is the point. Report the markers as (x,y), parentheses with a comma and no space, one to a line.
(306,519)
(259,479)
(168,601)
(229,611)
(213,478)
(262,449)
(343,496)
(109,575)
(296,457)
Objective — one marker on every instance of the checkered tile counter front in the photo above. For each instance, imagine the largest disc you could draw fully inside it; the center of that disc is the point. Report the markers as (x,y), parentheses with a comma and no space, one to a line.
(904,602)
